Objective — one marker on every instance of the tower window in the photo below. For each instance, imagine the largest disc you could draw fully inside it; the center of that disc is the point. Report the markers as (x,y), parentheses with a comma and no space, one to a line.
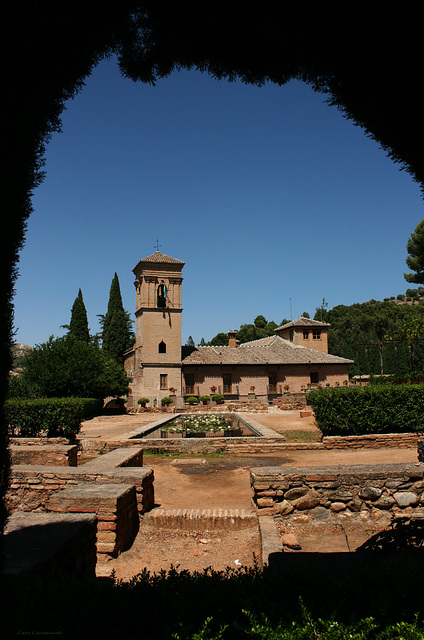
(316,334)
(163,380)
(314,377)
(305,334)
(161,295)
(162,347)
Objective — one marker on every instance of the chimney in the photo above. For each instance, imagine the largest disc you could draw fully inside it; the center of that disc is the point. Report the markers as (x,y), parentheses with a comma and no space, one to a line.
(232,342)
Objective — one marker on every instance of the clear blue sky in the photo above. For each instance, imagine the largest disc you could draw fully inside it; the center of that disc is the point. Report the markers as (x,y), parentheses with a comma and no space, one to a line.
(266,194)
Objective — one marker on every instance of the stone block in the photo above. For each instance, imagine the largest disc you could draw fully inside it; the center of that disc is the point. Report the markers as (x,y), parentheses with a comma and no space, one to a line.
(405,498)
(296,493)
(265,502)
(285,507)
(309,501)
(384,502)
(336,507)
(370,493)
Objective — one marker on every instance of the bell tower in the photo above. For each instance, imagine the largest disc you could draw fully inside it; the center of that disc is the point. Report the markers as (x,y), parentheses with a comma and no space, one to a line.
(155,360)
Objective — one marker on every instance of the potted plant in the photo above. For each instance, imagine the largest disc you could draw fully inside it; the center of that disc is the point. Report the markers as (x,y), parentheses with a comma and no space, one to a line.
(286,388)
(204,399)
(192,400)
(218,398)
(143,402)
(213,388)
(252,388)
(166,401)
(172,390)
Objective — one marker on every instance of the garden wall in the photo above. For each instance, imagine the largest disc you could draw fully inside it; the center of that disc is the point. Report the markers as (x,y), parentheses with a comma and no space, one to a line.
(31,487)
(315,491)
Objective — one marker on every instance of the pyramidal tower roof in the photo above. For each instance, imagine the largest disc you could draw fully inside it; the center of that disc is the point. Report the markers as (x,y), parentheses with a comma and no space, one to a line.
(161,257)
(158,258)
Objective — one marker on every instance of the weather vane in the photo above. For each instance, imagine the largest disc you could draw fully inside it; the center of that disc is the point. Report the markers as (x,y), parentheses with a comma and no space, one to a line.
(157,244)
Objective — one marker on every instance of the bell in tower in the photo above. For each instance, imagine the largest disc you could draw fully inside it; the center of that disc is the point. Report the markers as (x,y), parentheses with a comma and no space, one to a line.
(161,295)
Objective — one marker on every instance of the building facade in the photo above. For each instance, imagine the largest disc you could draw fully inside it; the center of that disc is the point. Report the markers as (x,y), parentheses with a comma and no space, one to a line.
(293,360)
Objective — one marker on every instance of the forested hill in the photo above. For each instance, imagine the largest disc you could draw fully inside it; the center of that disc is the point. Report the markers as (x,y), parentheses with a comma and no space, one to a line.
(381,337)
(378,336)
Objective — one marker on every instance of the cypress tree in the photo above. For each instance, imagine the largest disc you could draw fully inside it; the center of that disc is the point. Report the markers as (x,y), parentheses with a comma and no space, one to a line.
(117,334)
(78,326)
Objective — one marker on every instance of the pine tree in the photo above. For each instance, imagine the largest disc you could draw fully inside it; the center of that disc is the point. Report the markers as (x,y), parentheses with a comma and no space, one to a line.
(190,342)
(78,326)
(415,260)
(117,333)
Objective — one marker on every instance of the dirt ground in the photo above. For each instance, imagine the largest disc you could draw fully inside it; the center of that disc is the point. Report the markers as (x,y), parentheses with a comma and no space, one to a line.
(222,481)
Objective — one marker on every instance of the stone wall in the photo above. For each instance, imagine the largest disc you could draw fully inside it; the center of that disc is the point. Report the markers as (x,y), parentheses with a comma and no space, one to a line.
(290,401)
(58,455)
(398,488)
(396,440)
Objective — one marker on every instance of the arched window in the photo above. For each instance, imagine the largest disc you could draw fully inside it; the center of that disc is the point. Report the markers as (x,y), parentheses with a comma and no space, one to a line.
(162,347)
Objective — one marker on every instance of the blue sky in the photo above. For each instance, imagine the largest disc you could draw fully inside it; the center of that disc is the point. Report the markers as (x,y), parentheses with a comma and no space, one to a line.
(267,194)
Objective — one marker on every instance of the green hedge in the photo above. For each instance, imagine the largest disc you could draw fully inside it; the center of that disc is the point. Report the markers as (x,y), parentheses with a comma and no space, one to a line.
(365,410)
(49,416)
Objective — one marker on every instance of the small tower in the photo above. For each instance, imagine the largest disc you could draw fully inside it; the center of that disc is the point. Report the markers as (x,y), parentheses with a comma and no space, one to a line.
(154,363)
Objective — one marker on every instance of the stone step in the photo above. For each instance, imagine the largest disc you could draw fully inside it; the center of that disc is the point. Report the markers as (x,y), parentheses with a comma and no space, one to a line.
(203,519)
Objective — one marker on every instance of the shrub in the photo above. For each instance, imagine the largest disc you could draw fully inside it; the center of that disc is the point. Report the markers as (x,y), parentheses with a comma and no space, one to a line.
(143,401)
(165,401)
(192,400)
(49,416)
(204,398)
(217,397)
(372,409)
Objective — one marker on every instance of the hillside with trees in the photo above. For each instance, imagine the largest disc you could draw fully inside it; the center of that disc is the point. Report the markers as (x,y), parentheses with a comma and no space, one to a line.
(381,337)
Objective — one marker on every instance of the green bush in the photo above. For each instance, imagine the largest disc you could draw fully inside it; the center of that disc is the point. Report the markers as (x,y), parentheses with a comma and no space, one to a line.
(204,398)
(192,400)
(217,397)
(49,416)
(165,401)
(371,409)
(143,401)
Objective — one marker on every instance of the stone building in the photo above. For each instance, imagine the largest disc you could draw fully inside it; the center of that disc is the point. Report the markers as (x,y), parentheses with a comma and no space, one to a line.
(293,360)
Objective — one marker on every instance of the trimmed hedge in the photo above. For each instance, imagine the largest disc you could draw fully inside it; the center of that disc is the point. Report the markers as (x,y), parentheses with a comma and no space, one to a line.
(366,410)
(52,417)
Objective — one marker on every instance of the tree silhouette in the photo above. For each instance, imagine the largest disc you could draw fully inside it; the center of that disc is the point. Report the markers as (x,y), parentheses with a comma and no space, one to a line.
(78,326)
(415,260)
(117,333)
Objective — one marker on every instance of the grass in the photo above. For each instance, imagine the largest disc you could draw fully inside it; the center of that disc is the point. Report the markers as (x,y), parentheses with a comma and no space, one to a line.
(298,435)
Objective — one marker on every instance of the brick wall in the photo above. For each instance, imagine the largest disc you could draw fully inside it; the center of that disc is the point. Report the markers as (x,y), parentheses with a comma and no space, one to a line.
(31,487)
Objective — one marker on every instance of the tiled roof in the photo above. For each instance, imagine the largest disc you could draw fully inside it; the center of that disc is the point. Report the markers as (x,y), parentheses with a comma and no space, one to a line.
(159,257)
(302,322)
(271,350)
